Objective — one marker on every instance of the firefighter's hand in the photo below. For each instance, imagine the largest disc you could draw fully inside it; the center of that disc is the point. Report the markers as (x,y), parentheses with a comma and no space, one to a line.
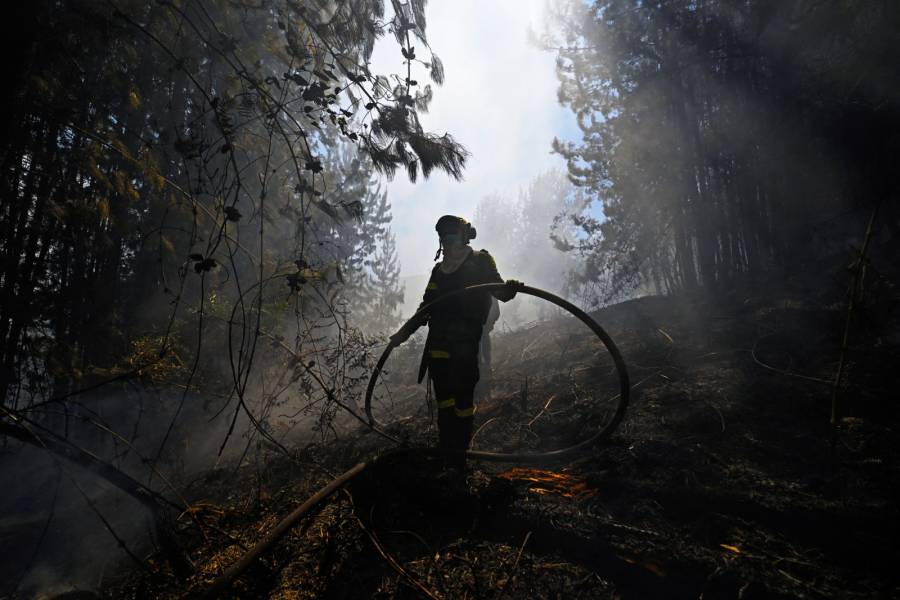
(401,336)
(512,286)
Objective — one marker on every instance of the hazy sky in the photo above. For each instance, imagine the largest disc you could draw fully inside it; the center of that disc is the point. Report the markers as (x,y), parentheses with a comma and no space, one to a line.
(498,100)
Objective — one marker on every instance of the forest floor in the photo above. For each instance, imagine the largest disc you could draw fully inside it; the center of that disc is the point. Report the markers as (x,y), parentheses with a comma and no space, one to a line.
(723,481)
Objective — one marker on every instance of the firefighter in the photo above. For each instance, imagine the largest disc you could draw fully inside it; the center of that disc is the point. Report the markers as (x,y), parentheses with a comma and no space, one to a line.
(454,331)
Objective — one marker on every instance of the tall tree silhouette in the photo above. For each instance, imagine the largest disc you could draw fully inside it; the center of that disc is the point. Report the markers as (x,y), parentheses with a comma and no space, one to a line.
(715,133)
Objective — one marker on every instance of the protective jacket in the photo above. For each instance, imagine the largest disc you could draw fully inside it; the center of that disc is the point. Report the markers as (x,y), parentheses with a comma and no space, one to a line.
(462,317)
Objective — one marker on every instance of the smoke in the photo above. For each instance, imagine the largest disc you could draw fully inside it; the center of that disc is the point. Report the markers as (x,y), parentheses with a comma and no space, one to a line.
(519,233)
(61,522)
(65,527)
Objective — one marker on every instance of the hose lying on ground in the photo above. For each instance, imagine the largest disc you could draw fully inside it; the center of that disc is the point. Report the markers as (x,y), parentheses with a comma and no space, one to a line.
(220,584)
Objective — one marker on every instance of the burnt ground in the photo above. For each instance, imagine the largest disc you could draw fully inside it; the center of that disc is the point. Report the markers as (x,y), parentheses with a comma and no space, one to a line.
(723,481)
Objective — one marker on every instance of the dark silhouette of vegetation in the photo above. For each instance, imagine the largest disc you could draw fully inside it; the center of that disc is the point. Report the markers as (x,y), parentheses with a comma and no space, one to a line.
(727,140)
(188,207)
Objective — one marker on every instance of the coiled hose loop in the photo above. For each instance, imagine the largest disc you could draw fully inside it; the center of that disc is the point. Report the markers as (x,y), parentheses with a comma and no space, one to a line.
(220,585)
(533,457)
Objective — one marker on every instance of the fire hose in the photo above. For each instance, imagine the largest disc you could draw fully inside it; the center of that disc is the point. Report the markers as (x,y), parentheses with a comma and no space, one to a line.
(575,311)
(220,584)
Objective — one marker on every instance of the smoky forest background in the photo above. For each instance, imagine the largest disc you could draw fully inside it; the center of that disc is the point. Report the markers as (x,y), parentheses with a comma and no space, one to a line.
(198,269)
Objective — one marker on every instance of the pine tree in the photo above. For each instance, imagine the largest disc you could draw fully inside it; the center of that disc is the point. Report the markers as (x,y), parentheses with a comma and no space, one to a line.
(387,293)
(713,132)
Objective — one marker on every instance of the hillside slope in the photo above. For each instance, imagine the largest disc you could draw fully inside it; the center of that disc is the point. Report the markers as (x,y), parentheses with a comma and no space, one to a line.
(722,481)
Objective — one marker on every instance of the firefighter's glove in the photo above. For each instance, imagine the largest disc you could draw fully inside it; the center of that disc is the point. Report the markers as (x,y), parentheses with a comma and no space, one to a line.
(513,286)
(401,336)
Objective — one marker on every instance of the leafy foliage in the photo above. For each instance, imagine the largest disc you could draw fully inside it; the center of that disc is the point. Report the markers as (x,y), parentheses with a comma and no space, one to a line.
(146,137)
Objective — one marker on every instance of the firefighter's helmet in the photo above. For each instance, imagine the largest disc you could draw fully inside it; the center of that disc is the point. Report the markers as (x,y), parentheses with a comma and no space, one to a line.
(452,223)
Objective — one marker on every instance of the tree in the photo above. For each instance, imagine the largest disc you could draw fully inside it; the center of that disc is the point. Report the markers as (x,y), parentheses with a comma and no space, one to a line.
(387,296)
(714,131)
(171,206)
(367,249)
(142,134)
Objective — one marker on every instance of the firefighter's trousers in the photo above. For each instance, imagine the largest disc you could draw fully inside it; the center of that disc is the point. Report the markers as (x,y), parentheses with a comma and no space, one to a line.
(454,372)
